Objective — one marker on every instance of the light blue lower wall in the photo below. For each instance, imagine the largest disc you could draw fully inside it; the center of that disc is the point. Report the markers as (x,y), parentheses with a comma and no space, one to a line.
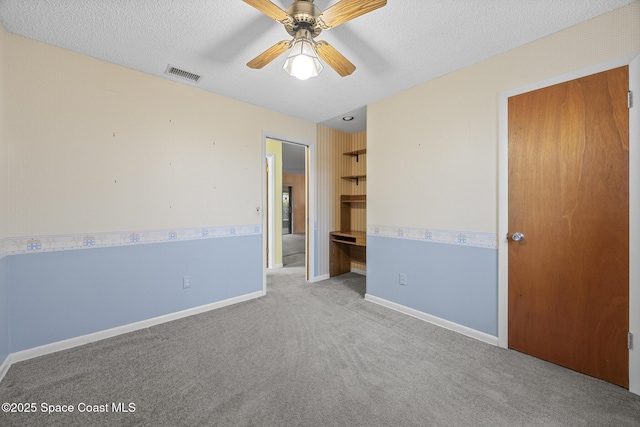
(60,295)
(452,282)
(4,310)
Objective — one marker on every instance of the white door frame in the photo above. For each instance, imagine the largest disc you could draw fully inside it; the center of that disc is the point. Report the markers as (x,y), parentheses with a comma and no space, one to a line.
(270,212)
(311,203)
(633,60)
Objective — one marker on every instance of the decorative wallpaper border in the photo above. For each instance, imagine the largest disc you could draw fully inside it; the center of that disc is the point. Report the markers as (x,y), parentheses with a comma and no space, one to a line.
(38,244)
(449,237)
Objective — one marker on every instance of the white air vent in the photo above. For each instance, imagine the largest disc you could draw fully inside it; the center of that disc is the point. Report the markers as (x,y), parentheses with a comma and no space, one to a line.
(182,73)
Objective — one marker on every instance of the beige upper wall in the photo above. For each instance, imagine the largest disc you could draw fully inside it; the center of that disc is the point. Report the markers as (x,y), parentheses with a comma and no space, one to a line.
(4,79)
(432,150)
(95,147)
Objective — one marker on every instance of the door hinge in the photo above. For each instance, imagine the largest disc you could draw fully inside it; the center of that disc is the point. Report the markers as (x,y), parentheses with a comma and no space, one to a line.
(630,341)
(629,99)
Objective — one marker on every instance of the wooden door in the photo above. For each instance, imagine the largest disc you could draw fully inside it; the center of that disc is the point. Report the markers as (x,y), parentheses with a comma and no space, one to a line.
(569,197)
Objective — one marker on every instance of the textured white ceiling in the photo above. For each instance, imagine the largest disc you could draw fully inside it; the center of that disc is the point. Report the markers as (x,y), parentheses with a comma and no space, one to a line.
(401,45)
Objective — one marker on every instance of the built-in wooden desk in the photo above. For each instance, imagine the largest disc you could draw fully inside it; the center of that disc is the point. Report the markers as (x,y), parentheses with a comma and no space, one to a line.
(347,245)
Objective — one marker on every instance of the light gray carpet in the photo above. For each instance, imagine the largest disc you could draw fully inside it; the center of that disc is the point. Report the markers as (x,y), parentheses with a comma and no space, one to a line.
(310,355)
(293,250)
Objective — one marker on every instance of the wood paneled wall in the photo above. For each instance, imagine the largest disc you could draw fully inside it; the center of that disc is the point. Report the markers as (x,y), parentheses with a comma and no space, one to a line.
(333,144)
(299,199)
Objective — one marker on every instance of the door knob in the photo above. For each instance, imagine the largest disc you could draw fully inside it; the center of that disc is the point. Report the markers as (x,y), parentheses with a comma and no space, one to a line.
(517,237)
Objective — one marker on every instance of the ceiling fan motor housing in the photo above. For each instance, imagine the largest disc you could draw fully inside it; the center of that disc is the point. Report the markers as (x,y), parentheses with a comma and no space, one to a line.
(304,22)
(304,14)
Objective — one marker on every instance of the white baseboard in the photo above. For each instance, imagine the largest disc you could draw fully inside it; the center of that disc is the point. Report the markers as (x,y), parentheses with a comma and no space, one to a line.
(472,333)
(108,333)
(358,271)
(4,368)
(319,278)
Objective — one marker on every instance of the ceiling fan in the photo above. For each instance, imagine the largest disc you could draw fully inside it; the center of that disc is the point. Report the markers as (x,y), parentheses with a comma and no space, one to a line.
(304,22)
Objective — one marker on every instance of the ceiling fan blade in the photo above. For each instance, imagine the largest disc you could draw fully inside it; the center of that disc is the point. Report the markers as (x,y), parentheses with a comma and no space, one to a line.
(346,10)
(334,58)
(269,9)
(269,55)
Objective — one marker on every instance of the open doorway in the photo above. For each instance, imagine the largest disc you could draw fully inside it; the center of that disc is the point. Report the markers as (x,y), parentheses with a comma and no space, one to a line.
(287,213)
(294,180)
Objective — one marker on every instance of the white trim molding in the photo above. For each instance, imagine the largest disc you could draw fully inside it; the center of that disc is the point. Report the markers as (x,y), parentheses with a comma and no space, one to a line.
(633,61)
(634,225)
(455,327)
(4,367)
(270,220)
(319,278)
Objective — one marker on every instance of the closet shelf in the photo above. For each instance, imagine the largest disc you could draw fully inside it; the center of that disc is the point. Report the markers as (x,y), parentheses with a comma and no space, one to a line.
(353,198)
(355,178)
(348,245)
(356,153)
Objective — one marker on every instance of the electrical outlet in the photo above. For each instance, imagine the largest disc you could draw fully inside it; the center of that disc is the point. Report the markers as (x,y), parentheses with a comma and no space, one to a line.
(186,282)
(402,279)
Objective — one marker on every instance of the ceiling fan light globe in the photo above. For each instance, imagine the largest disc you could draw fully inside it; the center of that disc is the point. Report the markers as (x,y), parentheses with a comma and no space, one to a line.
(302,61)
(302,67)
